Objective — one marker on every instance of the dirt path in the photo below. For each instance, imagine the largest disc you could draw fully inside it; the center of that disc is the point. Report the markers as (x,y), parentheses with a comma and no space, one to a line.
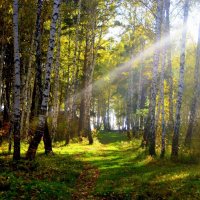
(86,183)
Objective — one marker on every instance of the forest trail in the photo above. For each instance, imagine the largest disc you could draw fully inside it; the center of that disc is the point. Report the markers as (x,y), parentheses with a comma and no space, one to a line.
(86,183)
(111,168)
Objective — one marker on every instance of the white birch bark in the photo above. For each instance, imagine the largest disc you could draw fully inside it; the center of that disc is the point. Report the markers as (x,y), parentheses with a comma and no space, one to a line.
(140,84)
(175,141)
(74,98)
(169,65)
(16,110)
(1,71)
(196,94)
(42,117)
(56,83)
(162,79)
(152,134)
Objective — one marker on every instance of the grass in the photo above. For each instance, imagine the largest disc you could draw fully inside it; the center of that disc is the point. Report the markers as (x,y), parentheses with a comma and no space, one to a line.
(125,172)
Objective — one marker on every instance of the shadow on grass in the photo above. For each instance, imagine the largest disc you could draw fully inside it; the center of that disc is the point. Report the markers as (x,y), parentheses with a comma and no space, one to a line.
(53,177)
(111,137)
(129,173)
(134,179)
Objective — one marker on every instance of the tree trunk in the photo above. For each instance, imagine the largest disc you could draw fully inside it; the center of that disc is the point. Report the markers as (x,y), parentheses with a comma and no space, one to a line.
(169,67)
(37,94)
(43,116)
(16,110)
(175,141)
(195,98)
(84,123)
(56,84)
(129,110)
(25,99)
(152,134)
(162,88)
(1,71)
(76,70)
(67,99)
(140,85)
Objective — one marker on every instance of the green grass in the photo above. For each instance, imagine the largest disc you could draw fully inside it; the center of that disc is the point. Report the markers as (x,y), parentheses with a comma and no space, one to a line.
(126,172)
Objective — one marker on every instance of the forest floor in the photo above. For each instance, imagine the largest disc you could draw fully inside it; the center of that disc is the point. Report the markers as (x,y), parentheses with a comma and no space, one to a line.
(111,168)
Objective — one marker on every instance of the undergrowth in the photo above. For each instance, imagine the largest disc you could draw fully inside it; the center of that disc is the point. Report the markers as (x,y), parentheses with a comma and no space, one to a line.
(125,172)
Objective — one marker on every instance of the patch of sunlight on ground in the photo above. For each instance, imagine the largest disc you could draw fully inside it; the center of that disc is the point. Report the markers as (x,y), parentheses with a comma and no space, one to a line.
(172,177)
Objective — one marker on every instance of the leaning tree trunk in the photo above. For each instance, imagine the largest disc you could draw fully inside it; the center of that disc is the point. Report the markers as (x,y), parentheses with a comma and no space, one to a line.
(175,140)
(152,134)
(195,98)
(37,91)
(16,110)
(42,124)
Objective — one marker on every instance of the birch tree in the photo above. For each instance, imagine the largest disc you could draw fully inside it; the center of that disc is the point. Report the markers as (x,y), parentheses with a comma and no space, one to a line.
(1,72)
(16,109)
(169,64)
(152,135)
(162,79)
(37,91)
(175,141)
(88,69)
(56,82)
(193,108)
(43,112)
(75,64)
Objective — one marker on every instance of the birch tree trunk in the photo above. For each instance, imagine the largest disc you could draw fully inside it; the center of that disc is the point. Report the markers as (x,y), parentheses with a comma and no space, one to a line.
(25,103)
(43,116)
(152,134)
(162,79)
(1,71)
(37,93)
(195,98)
(16,110)
(169,66)
(56,83)
(129,110)
(140,85)
(175,141)
(76,71)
